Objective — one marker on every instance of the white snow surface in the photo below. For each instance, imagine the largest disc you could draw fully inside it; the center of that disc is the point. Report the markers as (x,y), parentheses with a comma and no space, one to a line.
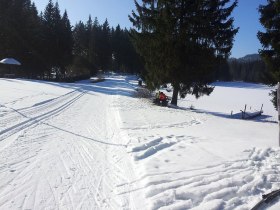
(97,146)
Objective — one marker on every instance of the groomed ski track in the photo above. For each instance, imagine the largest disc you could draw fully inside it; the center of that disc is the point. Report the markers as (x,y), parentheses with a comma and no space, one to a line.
(67,152)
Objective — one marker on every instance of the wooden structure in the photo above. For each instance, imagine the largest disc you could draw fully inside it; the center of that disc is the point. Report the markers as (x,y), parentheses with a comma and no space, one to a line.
(250,114)
(8,68)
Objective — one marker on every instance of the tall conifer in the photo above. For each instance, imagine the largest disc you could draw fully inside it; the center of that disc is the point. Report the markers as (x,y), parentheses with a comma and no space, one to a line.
(182,40)
(270,40)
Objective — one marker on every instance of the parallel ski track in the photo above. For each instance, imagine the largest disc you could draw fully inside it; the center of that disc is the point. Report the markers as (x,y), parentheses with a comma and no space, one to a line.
(96,161)
(36,114)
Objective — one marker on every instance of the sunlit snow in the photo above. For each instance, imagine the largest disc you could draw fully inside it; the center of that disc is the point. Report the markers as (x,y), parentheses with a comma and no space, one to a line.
(97,146)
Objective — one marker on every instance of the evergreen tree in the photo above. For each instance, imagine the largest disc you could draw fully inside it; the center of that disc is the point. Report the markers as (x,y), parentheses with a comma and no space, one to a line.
(105,47)
(20,34)
(96,37)
(66,42)
(33,56)
(80,65)
(131,62)
(49,36)
(45,43)
(5,12)
(58,41)
(57,31)
(117,47)
(86,44)
(270,40)
(90,41)
(181,41)
(80,40)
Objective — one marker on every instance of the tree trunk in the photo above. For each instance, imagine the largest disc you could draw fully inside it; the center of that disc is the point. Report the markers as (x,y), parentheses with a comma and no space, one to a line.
(175,94)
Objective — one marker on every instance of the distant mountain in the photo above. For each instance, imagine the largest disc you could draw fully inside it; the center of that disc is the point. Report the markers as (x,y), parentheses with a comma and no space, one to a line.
(250,57)
(246,58)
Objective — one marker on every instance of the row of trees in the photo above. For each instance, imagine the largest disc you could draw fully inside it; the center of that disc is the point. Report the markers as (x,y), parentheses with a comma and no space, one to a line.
(46,43)
(182,42)
(20,31)
(101,47)
(248,70)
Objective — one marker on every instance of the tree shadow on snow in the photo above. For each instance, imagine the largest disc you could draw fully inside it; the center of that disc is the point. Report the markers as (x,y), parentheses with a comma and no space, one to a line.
(111,86)
(236,116)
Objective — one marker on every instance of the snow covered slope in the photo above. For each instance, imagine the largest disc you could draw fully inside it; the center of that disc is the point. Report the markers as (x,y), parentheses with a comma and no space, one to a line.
(96,146)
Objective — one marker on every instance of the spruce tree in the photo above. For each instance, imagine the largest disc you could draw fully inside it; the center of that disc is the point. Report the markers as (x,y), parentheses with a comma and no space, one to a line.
(49,36)
(181,41)
(80,40)
(117,47)
(33,58)
(66,42)
(270,40)
(20,34)
(58,42)
(90,40)
(57,30)
(105,47)
(96,38)
(45,42)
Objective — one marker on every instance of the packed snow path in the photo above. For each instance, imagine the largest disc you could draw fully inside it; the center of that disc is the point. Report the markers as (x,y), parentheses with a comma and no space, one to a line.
(66,152)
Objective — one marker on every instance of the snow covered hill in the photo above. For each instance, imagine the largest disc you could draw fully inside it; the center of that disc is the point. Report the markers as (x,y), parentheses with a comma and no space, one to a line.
(97,146)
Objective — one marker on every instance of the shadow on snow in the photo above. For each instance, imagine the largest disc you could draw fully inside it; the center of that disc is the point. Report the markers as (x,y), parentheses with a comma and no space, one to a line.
(116,85)
(111,86)
(237,116)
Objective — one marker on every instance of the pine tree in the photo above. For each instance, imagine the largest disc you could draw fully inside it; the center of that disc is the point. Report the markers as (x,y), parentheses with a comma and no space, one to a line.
(53,37)
(181,41)
(96,37)
(117,47)
(85,51)
(33,56)
(46,43)
(49,36)
(20,34)
(105,47)
(80,40)
(57,30)
(90,41)
(66,42)
(58,40)
(270,39)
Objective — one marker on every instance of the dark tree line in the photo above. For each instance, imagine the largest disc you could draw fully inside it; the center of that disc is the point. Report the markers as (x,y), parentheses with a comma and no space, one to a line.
(97,46)
(182,42)
(247,70)
(21,30)
(48,46)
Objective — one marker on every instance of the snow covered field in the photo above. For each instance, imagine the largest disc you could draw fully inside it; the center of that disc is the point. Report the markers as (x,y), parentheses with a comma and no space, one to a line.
(97,146)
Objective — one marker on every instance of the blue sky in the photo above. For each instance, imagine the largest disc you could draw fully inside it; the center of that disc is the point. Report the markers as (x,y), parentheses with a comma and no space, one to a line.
(117,11)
